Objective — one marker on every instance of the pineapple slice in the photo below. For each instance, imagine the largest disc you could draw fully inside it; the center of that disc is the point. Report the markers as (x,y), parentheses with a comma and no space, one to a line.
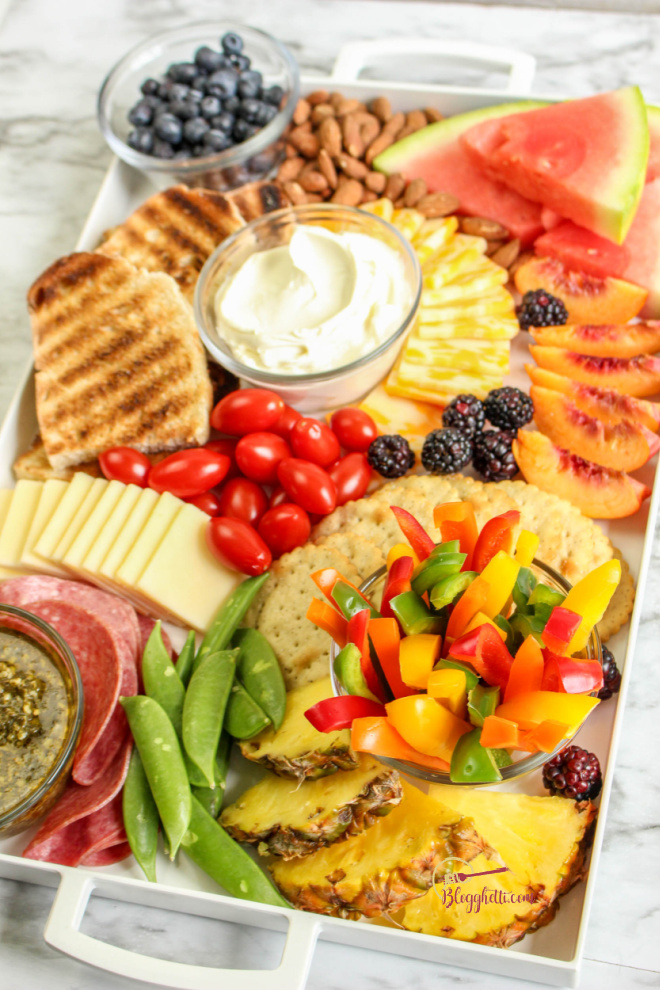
(291,821)
(297,749)
(541,839)
(383,868)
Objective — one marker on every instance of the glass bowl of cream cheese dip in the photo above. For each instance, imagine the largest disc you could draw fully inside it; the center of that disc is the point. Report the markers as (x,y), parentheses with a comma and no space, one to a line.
(312,301)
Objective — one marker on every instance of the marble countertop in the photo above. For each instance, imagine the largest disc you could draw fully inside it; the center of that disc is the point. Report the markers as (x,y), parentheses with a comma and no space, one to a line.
(52,159)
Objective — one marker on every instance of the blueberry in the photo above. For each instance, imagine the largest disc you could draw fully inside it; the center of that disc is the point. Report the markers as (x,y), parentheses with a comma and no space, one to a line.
(141,139)
(152,101)
(232,43)
(199,84)
(199,151)
(184,109)
(149,87)
(210,60)
(223,122)
(169,128)
(223,83)
(243,130)
(210,107)
(231,104)
(163,149)
(240,62)
(165,89)
(196,95)
(179,91)
(141,114)
(182,72)
(273,95)
(249,84)
(194,130)
(216,140)
(265,114)
(248,110)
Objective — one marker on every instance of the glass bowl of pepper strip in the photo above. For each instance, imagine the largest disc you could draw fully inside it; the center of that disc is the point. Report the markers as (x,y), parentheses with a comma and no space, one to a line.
(467,661)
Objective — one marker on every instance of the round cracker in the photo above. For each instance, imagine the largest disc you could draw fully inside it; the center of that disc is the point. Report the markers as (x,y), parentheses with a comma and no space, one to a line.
(620,608)
(364,554)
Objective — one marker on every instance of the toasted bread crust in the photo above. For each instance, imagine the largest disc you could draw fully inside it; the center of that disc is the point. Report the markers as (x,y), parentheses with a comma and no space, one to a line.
(258,198)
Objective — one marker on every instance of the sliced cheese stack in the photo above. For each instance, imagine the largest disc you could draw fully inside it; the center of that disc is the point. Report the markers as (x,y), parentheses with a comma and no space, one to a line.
(150,549)
(466,319)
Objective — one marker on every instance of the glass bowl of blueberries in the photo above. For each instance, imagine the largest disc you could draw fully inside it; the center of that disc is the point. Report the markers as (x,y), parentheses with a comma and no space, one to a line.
(208,104)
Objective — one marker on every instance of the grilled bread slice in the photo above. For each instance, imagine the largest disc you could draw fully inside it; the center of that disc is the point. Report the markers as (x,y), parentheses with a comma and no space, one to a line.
(258,198)
(35,466)
(118,361)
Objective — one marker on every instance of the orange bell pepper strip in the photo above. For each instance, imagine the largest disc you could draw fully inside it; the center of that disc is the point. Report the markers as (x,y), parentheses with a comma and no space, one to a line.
(326,579)
(414,532)
(378,736)
(471,601)
(427,726)
(526,672)
(496,535)
(385,638)
(330,621)
(456,521)
(546,736)
(499,733)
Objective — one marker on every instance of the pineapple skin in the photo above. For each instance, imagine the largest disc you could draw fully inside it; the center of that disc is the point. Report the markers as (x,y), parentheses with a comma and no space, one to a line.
(307,766)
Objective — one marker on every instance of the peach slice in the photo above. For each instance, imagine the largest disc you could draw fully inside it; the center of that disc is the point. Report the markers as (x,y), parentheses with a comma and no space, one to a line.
(598,492)
(625,446)
(638,376)
(602,340)
(587,298)
(605,404)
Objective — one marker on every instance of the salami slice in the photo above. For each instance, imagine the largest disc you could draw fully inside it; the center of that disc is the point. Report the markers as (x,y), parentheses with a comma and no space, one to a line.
(108,856)
(146,624)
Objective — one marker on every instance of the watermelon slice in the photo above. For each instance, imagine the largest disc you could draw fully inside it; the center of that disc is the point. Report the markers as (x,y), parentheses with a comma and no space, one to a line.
(581,250)
(653,167)
(585,159)
(436,155)
(643,244)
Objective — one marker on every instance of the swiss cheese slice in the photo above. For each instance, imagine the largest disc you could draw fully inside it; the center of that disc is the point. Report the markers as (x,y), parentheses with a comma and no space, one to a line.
(6,495)
(83,513)
(111,533)
(183,576)
(148,541)
(94,525)
(51,496)
(64,513)
(17,522)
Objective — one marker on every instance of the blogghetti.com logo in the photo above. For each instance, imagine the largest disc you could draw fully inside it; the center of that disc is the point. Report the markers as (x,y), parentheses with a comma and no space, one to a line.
(447,887)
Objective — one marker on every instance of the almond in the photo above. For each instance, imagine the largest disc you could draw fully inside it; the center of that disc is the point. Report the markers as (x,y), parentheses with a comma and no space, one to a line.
(437,204)
(521,260)
(351,134)
(348,106)
(314,182)
(369,127)
(314,198)
(318,96)
(352,167)
(382,108)
(302,112)
(320,112)
(416,189)
(306,143)
(432,115)
(368,196)
(382,142)
(507,254)
(399,203)
(290,151)
(376,182)
(395,186)
(290,169)
(493,246)
(491,230)
(349,193)
(330,136)
(327,168)
(295,192)
(415,120)
(394,125)
(335,99)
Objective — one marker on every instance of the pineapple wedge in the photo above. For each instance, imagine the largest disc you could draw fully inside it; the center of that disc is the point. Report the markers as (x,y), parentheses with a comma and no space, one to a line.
(541,839)
(380,870)
(291,822)
(297,750)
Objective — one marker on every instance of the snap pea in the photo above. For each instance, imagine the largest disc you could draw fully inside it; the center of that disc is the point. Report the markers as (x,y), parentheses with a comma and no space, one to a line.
(140,816)
(163,764)
(227,619)
(184,664)
(212,799)
(204,709)
(161,679)
(260,673)
(244,718)
(208,845)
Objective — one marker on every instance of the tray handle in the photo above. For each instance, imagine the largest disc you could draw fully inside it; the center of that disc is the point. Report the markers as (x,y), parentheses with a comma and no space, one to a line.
(357,55)
(63,932)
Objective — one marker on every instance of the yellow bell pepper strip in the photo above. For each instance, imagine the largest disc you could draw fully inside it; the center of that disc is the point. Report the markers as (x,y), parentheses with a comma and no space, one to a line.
(449,687)
(426,725)
(533,707)
(485,651)
(526,672)
(471,677)
(500,733)
(589,598)
(414,532)
(500,573)
(526,547)
(496,536)
(328,619)
(418,655)
(481,619)
(471,601)
(378,736)
(472,763)
(385,639)
(456,521)
(570,676)
(401,550)
(560,629)
(333,714)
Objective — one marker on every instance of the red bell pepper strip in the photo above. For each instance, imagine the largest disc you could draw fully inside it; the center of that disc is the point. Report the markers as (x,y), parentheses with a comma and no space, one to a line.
(560,629)
(386,640)
(414,532)
(357,634)
(329,620)
(496,535)
(398,581)
(378,736)
(484,649)
(333,714)
(570,676)
(456,521)
(326,579)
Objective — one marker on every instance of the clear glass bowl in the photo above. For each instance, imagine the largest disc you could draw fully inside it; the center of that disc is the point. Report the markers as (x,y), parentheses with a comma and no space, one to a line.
(246,162)
(34,805)
(325,389)
(372,588)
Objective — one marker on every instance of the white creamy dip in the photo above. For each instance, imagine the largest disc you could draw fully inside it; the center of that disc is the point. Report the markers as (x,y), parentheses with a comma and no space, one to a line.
(317,303)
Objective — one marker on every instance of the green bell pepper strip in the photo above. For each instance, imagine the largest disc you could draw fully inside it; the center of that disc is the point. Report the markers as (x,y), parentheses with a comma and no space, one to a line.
(451,546)
(472,763)
(505,626)
(435,569)
(414,615)
(348,671)
(348,601)
(260,673)
(448,590)
(502,758)
(482,701)
(229,616)
(522,589)
(543,595)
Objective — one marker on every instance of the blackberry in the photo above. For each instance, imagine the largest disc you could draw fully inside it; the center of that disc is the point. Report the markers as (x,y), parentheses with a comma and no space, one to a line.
(611,676)
(446,451)
(466,414)
(493,456)
(508,408)
(541,309)
(574,773)
(390,456)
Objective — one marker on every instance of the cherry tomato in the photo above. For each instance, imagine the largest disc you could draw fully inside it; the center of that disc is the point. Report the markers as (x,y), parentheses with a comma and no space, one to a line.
(286,422)
(308,485)
(247,410)
(228,448)
(314,441)
(354,429)
(189,472)
(278,495)
(284,528)
(243,499)
(258,455)
(126,465)
(208,502)
(351,475)
(237,545)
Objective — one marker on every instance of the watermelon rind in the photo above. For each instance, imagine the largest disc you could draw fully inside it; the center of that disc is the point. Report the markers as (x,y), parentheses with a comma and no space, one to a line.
(627,180)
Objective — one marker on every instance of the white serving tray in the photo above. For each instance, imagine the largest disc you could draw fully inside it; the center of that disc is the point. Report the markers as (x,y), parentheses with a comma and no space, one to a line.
(552,955)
